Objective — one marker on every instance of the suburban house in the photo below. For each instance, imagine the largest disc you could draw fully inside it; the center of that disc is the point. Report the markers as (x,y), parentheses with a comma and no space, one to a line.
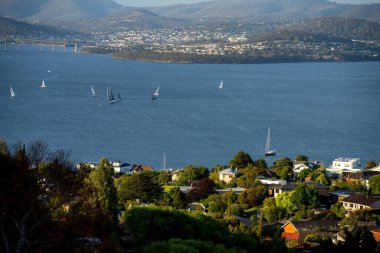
(343,166)
(298,167)
(298,230)
(175,174)
(120,167)
(360,201)
(227,175)
(140,168)
(279,189)
(362,177)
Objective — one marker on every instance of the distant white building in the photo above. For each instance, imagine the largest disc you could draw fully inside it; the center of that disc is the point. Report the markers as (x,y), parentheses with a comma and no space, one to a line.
(341,166)
(270,181)
(120,167)
(227,175)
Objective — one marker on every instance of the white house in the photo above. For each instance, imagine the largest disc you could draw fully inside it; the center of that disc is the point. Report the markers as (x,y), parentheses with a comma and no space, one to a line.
(297,168)
(120,167)
(227,175)
(344,165)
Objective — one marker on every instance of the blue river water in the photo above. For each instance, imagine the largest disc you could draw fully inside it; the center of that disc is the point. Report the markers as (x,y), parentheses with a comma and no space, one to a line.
(323,110)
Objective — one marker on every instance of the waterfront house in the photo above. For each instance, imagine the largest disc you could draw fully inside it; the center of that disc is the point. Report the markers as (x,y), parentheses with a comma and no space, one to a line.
(300,166)
(120,167)
(360,201)
(227,175)
(343,166)
(140,168)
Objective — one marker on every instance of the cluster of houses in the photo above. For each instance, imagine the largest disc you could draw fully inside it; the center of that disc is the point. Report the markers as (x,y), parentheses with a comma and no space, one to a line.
(345,169)
(120,168)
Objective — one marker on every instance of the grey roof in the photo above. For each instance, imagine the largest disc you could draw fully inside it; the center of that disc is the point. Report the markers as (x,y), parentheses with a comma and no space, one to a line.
(361,199)
(317,225)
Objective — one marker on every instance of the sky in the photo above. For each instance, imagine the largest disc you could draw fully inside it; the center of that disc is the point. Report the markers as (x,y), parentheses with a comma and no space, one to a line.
(145,3)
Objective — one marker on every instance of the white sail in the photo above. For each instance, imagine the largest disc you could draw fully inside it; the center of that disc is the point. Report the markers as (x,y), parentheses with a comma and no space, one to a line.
(43,85)
(268,151)
(13,94)
(221,85)
(93,91)
(157,92)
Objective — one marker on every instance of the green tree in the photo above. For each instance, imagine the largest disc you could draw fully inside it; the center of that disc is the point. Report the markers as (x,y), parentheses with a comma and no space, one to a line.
(374,184)
(192,173)
(303,174)
(253,196)
(283,162)
(261,163)
(214,175)
(303,158)
(164,177)
(274,213)
(179,199)
(100,192)
(286,173)
(305,196)
(240,160)
(143,186)
(284,200)
(338,209)
(323,179)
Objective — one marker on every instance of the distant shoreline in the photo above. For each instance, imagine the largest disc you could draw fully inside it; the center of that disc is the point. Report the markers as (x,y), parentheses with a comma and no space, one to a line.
(181,58)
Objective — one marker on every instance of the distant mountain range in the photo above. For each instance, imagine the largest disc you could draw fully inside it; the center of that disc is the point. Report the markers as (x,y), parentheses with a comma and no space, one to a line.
(328,29)
(217,10)
(61,10)
(10,27)
(268,10)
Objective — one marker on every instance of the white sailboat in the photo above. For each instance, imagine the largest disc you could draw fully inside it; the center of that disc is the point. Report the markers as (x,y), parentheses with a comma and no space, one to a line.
(156,94)
(118,96)
(268,151)
(93,91)
(13,94)
(221,85)
(43,84)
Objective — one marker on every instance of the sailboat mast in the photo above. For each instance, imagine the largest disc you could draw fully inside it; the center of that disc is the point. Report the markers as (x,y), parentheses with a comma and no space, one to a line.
(164,161)
(267,145)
